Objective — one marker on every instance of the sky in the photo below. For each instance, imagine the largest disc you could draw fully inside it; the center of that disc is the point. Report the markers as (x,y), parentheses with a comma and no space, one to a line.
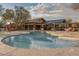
(50,11)
(11,5)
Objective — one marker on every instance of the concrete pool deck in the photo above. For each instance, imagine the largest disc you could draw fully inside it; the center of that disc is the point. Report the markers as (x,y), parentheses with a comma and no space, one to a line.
(65,35)
(6,50)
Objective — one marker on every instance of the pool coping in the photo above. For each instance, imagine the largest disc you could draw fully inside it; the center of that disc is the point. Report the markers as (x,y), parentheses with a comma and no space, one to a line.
(62,36)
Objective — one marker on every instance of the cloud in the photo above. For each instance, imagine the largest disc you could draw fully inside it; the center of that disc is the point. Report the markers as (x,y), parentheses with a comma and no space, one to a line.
(54,11)
(75,6)
(46,10)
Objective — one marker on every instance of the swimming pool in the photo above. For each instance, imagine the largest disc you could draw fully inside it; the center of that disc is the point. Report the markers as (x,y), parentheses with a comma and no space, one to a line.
(37,39)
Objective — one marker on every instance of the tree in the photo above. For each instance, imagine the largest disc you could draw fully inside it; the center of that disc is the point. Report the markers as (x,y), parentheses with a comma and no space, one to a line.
(75,6)
(68,19)
(1,10)
(22,16)
(1,22)
(1,13)
(8,15)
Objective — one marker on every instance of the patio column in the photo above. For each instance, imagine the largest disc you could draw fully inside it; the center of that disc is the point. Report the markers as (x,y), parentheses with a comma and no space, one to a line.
(54,26)
(42,27)
(34,26)
(28,26)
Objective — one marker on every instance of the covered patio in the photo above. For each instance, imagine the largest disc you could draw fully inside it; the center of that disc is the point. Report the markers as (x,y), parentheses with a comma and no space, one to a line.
(35,24)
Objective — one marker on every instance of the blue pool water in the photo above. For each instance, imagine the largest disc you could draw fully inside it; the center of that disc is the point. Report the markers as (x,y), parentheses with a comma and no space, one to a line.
(37,39)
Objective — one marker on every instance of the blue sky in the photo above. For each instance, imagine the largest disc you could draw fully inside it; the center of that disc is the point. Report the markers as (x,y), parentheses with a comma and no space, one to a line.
(49,11)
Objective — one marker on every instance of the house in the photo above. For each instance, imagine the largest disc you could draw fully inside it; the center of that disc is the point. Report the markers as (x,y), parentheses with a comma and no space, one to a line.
(35,24)
(59,24)
(42,24)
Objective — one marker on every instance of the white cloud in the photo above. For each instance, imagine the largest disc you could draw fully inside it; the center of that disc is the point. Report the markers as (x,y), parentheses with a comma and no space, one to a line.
(53,11)
(46,10)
